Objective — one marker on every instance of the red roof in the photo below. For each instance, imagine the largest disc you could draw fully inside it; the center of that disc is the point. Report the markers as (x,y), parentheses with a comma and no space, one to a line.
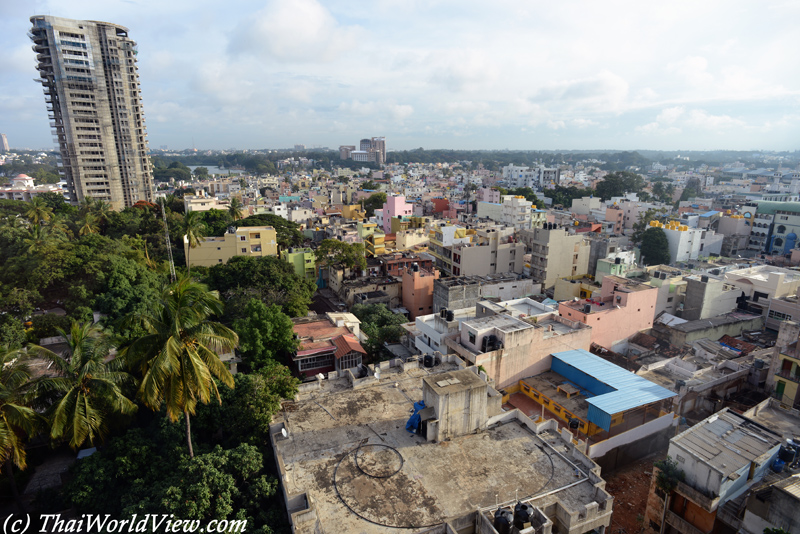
(321,329)
(315,347)
(346,344)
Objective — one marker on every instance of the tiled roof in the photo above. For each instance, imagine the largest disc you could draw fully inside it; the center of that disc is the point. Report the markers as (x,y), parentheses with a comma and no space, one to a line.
(346,344)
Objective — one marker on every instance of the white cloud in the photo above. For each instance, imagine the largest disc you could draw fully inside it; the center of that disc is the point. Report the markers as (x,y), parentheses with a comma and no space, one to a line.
(295,31)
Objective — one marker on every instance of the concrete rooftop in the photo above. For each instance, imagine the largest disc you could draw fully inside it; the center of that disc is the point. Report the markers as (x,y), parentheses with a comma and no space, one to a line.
(341,441)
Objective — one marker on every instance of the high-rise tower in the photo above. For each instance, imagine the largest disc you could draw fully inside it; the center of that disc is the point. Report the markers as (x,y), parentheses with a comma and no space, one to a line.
(91,86)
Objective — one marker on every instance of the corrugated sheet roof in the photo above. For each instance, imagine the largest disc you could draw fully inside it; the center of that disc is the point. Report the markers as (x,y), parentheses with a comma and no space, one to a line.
(727,441)
(631,392)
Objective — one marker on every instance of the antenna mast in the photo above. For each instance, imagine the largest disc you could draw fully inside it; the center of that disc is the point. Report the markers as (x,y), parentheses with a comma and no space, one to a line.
(172,275)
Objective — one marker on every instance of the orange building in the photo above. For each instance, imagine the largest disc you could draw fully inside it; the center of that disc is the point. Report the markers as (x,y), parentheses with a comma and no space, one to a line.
(418,290)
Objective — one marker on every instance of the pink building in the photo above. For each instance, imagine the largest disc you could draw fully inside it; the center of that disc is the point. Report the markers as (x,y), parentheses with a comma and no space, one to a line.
(624,308)
(395,207)
(418,291)
(487,194)
(615,215)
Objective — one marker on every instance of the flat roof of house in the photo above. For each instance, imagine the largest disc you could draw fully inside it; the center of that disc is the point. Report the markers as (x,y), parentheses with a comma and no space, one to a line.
(504,323)
(631,392)
(433,482)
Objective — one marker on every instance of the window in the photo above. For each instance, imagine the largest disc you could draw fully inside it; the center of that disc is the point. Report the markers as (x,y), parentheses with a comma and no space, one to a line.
(472,337)
(242,238)
(244,250)
(315,362)
(779,316)
(257,236)
(669,299)
(219,261)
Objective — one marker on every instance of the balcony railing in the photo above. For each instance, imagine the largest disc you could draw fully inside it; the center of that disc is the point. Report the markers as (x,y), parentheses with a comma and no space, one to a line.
(789,376)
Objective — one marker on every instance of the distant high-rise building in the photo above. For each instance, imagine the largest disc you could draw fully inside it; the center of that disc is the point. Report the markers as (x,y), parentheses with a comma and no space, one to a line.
(370,150)
(4,143)
(91,86)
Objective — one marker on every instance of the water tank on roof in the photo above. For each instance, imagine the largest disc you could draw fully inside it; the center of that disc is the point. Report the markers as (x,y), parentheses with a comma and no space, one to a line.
(587,308)
(778,465)
(450,316)
(758,364)
(787,453)
(427,361)
(523,513)
(617,261)
(663,276)
(442,312)
(704,279)
(503,519)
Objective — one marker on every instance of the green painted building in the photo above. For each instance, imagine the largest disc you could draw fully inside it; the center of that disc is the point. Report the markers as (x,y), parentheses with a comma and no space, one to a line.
(303,260)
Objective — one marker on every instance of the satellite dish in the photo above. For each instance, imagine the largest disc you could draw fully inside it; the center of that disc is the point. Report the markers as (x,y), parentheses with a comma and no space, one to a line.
(378,373)
(284,433)
(320,377)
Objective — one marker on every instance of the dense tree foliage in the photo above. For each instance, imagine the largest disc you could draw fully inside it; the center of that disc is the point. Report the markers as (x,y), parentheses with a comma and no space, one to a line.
(335,252)
(563,196)
(643,223)
(289,234)
(374,202)
(617,184)
(269,279)
(146,471)
(266,334)
(87,389)
(178,355)
(380,325)
(655,247)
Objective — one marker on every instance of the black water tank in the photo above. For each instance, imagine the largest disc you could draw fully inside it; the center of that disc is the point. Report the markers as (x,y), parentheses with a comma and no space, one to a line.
(427,361)
(523,513)
(442,312)
(787,454)
(587,308)
(617,261)
(502,521)
(450,316)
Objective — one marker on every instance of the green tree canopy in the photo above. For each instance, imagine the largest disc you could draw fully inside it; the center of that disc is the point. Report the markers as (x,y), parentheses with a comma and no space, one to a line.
(335,252)
(266,334)
(380,325)
(288,232)
(87,390)
(374,202)
(268,279)
(18,421)
(178,357)
(616,184)
(643,224)
(655,247)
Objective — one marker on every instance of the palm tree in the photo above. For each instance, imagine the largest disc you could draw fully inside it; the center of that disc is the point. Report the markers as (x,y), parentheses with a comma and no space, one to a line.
(195,231)
(16,419)
(178,356)
(235,209)
(38,211)
(87,388)
(89,225)
(38,236)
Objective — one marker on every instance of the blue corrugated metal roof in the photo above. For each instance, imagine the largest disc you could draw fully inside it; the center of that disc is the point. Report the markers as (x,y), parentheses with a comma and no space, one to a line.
(709,214)
(631,391)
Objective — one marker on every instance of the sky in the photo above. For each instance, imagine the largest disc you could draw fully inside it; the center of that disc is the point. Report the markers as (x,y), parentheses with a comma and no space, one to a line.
(462,74)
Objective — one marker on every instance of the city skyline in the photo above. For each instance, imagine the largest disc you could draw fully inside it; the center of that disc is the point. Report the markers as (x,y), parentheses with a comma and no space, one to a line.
(439,74)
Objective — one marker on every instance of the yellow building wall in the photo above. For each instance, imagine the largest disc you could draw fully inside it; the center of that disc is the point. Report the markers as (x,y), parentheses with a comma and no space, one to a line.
(256,241)
(556,409)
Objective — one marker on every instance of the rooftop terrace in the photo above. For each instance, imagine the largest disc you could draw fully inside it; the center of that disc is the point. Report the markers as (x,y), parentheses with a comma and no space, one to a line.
(349,465)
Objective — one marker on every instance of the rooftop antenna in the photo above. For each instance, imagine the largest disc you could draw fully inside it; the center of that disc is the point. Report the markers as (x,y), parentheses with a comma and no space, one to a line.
(172,275)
